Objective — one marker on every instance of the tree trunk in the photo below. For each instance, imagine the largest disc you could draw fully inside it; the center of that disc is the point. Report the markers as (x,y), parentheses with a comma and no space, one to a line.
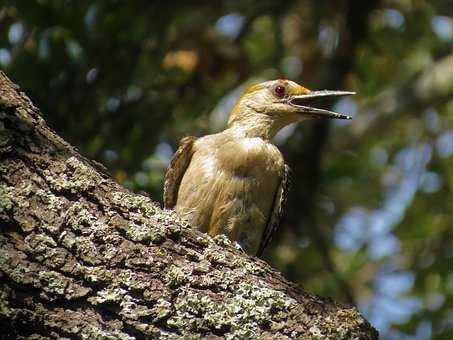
(82,257)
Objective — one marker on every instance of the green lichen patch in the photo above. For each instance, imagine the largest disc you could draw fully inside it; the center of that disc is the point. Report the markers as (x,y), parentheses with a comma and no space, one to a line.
(87,250)
(52,217)
(145,233)
(129,202)
(202,240)
(76,177)
(27,205)
(108,295)
(79,218)
(54,285)
(128,306)
(110,254)
(5,294)
(52,282)
(156,291)
(251,267)
(40,246)
(53,202)
(176,276)
(98,333)
(162,309)
(144,212)
(133,280)
(98,274)
(6,204)
(213,255)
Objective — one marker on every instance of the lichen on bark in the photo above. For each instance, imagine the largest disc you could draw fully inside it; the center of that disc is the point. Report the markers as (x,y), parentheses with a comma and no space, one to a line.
(82,257)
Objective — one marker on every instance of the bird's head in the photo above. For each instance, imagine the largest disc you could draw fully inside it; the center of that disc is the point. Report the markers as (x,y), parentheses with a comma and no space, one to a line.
(278,103)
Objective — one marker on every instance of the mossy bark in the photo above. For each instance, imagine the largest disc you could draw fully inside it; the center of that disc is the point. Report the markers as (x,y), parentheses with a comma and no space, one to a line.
(82,257)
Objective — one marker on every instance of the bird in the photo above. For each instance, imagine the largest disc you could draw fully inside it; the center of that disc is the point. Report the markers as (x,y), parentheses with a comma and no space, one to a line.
(235,182)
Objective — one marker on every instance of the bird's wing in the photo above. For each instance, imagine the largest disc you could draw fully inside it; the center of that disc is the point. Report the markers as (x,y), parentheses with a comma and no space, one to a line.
(277,210)
(176,170)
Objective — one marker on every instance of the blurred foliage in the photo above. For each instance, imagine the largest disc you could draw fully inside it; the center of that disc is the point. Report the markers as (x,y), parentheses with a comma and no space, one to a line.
(370,215)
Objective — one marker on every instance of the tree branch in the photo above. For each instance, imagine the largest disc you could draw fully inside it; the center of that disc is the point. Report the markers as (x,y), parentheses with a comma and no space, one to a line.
(80,256)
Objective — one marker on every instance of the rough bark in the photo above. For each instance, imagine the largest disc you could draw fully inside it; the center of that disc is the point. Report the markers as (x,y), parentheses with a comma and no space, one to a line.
(82,257)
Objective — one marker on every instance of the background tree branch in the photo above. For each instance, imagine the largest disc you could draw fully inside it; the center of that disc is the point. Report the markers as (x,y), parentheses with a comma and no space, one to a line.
(80,256)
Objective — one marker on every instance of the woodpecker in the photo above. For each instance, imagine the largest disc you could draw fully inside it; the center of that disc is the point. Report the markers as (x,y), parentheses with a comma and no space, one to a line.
(235,182)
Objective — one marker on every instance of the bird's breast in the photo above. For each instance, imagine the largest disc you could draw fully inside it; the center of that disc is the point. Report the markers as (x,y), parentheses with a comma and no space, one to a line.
(250,157)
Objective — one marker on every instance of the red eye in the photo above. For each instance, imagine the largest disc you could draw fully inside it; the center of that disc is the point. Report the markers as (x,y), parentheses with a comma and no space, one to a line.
(280,91)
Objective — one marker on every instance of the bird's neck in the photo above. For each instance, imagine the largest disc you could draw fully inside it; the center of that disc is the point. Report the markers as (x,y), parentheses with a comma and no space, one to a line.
(252,126)
(256,125)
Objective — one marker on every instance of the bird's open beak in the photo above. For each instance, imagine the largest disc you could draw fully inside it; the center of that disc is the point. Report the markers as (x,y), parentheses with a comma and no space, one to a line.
(306,103)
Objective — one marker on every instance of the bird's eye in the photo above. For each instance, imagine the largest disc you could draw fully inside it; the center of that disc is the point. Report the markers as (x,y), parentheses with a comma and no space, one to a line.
(280,91)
